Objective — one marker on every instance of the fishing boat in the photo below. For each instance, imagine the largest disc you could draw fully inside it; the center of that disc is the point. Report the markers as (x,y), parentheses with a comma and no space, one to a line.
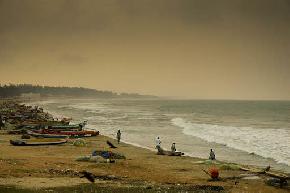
(62,134)
(28,124)
(68,133)
(75,127)
(39,135)
(37,142)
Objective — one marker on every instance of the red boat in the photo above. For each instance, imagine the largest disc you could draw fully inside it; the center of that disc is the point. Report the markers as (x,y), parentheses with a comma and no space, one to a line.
(68,133)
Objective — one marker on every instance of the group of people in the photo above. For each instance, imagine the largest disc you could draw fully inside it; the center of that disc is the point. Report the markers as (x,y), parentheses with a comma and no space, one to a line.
(158,145)
(173,148)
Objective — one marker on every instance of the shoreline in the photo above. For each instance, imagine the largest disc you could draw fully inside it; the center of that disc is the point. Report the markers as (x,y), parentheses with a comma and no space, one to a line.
(20,166)
(251,158)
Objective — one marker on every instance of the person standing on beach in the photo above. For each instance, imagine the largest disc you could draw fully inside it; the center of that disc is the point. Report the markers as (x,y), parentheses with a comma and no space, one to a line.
(2,122)
(211,155)
(119,136)
(158,143)
(173,148)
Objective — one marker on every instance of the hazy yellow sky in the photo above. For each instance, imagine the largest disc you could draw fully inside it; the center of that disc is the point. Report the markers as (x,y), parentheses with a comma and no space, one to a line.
(226,49)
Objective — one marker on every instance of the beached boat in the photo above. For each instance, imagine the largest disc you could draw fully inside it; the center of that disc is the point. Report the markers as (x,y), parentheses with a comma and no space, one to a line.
(62,134)
(37,142)
(68,133)
(75,127)
(39,135)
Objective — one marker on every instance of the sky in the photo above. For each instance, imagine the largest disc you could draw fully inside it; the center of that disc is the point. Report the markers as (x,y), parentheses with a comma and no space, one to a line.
(193,49)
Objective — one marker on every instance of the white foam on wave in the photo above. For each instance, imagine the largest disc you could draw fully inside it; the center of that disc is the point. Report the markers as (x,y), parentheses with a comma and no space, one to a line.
(92,107)
(268,143)
(39,103)
(125,116)
(100,119)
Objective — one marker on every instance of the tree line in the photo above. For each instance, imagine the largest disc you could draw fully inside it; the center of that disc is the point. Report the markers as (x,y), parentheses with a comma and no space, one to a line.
(16,90)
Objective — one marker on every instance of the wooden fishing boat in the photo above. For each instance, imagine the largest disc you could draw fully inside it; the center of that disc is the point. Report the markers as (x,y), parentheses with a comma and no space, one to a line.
(62,134)
(28,124)
(39,135)
(37,142)
(67,133)
(76,127)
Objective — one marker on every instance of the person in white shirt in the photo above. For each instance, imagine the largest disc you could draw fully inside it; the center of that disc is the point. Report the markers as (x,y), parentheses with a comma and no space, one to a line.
(173,148)
(158,143)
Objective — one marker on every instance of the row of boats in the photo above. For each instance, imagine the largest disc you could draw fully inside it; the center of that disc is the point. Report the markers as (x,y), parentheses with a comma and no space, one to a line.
(54,135)
(63,131)
(37,126)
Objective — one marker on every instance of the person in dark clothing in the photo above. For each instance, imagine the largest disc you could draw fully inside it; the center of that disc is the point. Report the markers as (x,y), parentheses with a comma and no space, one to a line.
(1,123)
(173,148)
(211,155)
(119,136)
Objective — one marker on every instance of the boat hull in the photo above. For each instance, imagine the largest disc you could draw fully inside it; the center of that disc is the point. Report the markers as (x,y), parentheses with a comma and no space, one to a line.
(28,143)
(63,134)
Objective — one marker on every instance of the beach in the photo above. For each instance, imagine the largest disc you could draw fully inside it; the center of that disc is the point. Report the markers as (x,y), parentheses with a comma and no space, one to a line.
(243,132)
(45,167)
(54,168)
(154,96)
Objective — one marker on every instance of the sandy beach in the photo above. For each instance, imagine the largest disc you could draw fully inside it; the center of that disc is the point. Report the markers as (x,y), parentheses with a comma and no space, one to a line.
(43,168)
(197,91)
(55,166)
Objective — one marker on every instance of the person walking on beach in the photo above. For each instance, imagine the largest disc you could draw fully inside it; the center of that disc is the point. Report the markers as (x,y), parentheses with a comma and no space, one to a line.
(173,148)
(211,155)
(158,143)
(119,136)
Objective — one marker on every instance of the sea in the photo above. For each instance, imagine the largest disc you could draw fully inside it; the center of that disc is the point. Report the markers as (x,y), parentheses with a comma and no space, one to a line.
(244,132)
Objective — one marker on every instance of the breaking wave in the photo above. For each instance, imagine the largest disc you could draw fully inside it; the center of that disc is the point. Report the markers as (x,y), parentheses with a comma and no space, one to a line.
(268,143)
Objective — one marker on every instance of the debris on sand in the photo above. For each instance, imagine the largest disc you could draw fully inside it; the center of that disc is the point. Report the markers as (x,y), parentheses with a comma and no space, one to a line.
(91,177)
(213,172)
(88,175)
(111,144)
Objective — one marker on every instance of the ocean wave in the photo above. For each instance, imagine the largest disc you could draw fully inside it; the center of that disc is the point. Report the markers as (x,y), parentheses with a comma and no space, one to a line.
(146,118)
(268,143)
(100,119)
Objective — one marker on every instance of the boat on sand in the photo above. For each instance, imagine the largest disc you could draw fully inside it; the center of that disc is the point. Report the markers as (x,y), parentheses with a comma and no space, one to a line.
(39,135)
(161,151)
(62,134)
(37,142)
